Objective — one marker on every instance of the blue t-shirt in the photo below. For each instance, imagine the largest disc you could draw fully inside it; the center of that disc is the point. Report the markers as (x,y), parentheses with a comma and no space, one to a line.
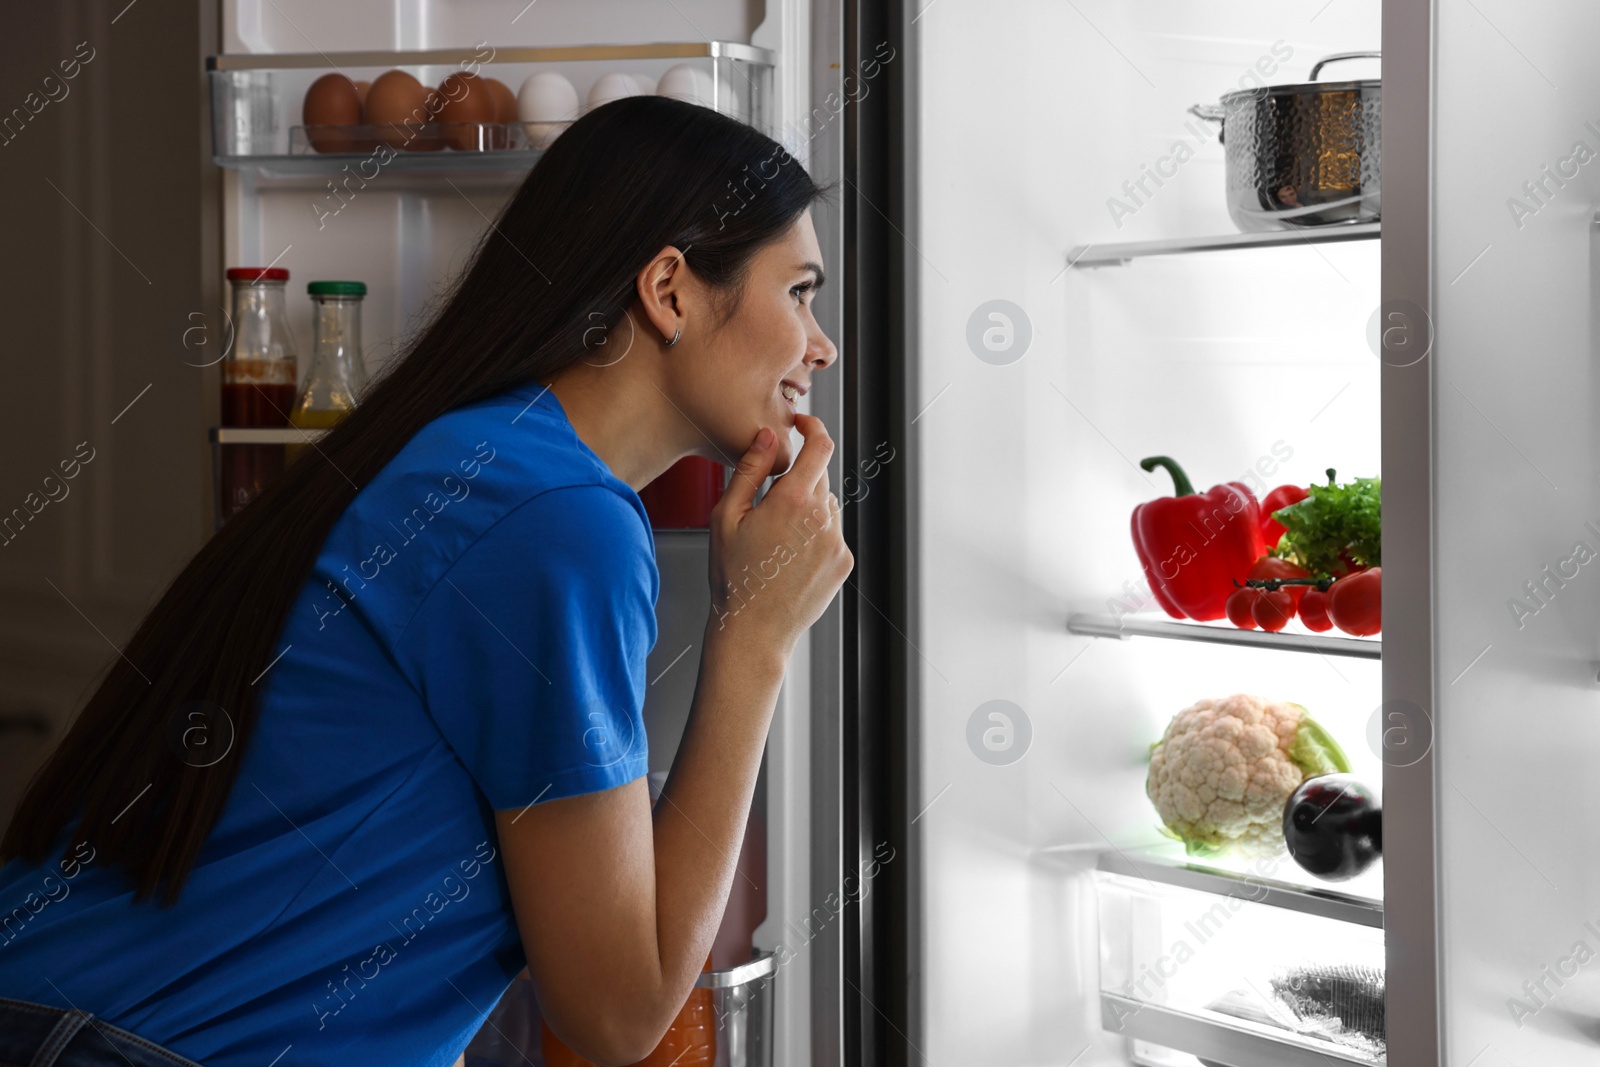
(473,638)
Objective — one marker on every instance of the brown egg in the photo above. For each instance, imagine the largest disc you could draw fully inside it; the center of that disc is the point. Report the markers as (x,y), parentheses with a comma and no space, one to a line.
(400,105)
(467,102)
(505,109)
(331,102)
(505,101)
(363,142)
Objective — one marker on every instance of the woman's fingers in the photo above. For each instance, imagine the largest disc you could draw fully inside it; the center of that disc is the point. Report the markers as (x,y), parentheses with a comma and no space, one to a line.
(751,470)
(776,565)
(811,464)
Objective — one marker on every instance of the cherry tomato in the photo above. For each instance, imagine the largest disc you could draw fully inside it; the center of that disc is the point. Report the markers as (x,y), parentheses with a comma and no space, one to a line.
(1355,602)
(1281,497)
(1240,605)
(1314,610)
(1273,567)
(1272,611)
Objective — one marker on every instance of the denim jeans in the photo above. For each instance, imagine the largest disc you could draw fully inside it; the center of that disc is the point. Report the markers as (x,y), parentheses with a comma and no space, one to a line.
(35,1035)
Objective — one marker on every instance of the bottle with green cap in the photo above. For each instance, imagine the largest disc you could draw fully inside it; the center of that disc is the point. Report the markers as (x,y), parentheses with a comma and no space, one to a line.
(338,375)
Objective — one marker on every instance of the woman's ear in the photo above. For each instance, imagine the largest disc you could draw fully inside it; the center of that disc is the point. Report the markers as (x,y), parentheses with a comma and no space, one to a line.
(661,288)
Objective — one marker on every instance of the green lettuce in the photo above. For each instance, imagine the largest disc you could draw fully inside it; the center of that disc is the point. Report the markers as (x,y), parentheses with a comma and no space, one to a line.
(1333,527)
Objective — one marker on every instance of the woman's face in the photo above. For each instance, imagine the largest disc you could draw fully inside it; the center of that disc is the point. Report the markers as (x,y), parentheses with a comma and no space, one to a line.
(733,383)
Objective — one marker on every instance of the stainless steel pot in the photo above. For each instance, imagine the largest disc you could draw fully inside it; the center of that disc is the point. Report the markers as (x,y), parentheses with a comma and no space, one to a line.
(1301,155)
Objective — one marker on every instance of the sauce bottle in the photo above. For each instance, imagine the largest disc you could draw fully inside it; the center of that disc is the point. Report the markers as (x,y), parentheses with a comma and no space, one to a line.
(338,374)
(258,380)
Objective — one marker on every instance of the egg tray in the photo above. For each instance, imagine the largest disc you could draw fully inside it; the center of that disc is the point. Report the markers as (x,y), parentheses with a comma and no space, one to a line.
(256,99)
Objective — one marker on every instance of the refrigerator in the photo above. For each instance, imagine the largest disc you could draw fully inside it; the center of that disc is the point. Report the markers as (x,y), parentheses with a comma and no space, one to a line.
(1038,283)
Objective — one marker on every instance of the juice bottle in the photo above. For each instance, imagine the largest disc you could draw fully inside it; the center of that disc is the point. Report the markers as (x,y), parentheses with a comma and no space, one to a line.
(338,374)
(258,382)
(691,1040)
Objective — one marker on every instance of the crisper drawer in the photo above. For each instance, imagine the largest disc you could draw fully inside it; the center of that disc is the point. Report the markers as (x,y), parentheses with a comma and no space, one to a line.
(1237,970)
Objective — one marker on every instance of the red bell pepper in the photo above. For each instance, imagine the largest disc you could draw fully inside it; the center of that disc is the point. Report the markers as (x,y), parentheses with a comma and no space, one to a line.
(1195,546)
(1281,497)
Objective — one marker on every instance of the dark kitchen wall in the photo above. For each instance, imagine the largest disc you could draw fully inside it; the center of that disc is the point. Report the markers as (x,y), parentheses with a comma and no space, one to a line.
(111,254)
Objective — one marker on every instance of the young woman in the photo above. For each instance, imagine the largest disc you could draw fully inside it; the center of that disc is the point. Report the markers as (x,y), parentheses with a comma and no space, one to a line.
(379,746)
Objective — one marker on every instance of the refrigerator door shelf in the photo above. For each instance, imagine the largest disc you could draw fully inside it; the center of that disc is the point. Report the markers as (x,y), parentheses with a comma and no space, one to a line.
(761,965)
(256,103)
(742,1001)
(1088,624)
(263,435)
(322,61)
(301,160)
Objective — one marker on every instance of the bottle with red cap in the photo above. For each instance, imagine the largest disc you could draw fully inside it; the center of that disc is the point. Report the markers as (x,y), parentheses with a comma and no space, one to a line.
(258,381)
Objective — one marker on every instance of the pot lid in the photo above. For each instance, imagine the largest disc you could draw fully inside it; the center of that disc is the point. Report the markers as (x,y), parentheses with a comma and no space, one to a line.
(1238,96)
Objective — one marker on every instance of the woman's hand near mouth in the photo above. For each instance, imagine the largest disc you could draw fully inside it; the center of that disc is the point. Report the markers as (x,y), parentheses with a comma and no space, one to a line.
(776,565)
(618,905)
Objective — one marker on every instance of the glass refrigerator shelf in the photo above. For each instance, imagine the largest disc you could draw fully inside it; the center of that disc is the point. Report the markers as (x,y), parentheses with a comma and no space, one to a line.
(1117,254)
(1090,624)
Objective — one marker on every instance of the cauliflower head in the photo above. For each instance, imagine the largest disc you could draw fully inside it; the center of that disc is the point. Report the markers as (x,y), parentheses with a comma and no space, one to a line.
(1222,772)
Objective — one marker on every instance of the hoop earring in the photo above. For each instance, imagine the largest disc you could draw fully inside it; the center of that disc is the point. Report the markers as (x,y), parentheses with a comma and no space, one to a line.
(677,334)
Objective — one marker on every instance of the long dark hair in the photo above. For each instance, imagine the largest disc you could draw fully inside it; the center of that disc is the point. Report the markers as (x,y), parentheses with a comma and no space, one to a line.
(616,187)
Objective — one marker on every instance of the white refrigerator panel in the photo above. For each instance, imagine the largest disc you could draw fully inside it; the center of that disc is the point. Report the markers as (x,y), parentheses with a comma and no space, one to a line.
(1517,528)
(1029,118)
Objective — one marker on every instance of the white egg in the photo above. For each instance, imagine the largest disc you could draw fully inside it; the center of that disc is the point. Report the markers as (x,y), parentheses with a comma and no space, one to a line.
(545,104)
(686,82)
(609,87)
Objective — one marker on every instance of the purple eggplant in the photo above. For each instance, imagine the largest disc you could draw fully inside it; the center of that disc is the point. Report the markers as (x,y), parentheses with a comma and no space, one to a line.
(1333,826)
